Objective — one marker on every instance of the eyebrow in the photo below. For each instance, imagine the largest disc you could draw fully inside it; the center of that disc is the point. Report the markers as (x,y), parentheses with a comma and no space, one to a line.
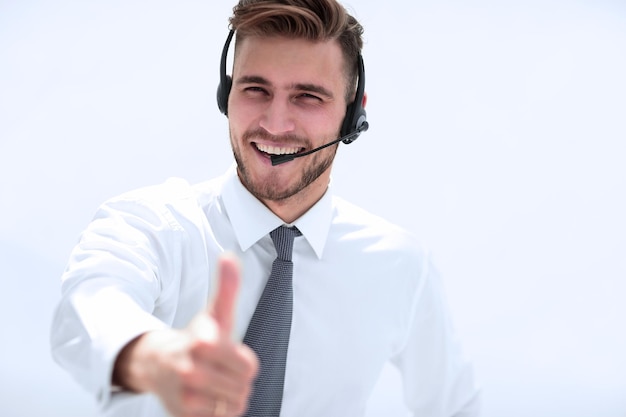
(314,88)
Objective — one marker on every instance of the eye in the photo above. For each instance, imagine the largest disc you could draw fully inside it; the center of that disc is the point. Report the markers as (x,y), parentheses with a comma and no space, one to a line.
(255,90)
(309,97)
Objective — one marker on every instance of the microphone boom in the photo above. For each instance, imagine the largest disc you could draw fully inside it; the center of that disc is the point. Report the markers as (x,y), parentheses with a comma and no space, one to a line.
(281,159)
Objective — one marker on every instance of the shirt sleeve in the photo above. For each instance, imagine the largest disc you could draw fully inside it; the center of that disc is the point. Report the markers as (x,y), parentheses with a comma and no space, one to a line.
(110,288)
(438,381)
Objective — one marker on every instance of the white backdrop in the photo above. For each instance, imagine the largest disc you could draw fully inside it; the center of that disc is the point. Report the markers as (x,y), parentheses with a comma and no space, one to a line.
(497,135)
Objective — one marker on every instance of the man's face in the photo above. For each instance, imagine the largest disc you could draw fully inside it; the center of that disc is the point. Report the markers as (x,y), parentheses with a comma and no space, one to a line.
(288,96)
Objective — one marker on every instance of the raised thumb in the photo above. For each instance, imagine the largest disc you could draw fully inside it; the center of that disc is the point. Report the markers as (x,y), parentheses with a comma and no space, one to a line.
(223,305)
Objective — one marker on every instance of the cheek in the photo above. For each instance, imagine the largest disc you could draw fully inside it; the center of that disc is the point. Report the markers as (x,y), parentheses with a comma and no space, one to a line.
(240,116)
(235,128)
(236,124)
(333,128)
(322,123)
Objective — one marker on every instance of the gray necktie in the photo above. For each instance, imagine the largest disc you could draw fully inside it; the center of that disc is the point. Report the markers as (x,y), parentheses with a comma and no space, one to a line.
(268,331)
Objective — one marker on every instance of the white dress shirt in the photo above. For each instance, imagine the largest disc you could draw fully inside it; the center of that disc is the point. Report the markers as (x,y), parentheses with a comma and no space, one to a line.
(365,293)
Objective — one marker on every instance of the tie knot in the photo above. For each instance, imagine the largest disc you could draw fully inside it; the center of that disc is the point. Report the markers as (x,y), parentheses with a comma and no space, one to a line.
(283,241)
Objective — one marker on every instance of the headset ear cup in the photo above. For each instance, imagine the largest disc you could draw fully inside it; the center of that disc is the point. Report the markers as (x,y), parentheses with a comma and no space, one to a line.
(223,91)
(346,126)
(360,122)
(354,123)
(355,120)
(226,81)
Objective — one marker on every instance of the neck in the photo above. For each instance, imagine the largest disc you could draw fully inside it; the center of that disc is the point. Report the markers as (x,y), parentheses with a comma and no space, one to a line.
(292,208)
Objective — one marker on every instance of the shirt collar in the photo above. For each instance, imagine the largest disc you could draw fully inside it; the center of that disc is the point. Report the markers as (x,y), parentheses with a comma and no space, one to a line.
(252,220)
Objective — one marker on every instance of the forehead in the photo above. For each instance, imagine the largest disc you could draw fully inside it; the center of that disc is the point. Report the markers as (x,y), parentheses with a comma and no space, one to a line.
(286,60)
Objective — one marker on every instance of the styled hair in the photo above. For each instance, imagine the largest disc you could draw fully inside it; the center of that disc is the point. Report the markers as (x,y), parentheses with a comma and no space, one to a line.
(314,20)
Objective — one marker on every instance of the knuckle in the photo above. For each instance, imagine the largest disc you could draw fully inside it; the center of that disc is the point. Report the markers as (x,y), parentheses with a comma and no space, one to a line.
(202,347)
(239,406)
(253,369)
(186,376)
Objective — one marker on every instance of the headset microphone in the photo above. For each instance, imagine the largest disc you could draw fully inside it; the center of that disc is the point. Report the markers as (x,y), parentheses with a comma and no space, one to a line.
(349,138)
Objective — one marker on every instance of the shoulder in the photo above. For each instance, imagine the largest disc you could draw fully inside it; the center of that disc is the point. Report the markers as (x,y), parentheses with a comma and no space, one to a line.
(387,256)
(171,193)
(357,224)
(174,202)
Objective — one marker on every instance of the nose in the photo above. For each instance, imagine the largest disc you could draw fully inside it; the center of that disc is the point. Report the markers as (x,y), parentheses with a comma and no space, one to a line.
(277,118)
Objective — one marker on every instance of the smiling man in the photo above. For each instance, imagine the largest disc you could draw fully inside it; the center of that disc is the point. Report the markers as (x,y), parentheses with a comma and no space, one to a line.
(308,296)
(284,102)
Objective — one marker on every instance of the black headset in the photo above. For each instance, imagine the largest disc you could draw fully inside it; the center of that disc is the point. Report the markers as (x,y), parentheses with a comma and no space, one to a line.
(353,123)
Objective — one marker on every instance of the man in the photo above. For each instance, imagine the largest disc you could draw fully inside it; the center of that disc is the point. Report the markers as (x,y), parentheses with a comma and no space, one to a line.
(356,291)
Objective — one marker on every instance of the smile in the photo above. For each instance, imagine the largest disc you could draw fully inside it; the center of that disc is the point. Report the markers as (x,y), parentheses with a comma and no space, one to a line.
(276,150)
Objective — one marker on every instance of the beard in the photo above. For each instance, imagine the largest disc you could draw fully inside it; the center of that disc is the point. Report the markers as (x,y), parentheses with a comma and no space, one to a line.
(270,187)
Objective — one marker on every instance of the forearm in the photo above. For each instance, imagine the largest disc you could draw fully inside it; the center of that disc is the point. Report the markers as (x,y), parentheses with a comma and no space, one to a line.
(87,333)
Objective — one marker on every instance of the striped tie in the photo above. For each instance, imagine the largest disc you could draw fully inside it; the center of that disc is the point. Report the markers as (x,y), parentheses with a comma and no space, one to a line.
(268,331)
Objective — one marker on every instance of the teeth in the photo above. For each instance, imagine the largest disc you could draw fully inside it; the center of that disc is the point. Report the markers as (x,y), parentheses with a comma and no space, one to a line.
(274,150)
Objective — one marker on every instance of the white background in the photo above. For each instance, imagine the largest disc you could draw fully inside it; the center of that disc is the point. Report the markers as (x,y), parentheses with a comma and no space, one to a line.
(497,134)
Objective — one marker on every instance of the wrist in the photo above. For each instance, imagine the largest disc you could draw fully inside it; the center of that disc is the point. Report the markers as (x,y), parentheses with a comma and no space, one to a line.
(128,372)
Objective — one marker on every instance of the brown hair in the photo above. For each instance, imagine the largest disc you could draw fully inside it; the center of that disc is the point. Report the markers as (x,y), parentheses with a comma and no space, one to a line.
(315,20)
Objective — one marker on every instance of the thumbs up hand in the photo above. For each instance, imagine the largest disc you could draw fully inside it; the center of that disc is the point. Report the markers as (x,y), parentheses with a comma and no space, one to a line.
(199,370)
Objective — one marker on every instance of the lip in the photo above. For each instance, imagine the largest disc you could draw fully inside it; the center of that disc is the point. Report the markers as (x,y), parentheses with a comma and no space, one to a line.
(269,149)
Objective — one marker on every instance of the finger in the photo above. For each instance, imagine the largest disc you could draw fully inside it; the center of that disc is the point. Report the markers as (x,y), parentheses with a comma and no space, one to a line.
(197,405)
(246,364)
(235,360)
(214,383)
(223,306)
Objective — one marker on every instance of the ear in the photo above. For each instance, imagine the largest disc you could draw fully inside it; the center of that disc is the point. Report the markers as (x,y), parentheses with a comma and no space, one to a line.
(364,102)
